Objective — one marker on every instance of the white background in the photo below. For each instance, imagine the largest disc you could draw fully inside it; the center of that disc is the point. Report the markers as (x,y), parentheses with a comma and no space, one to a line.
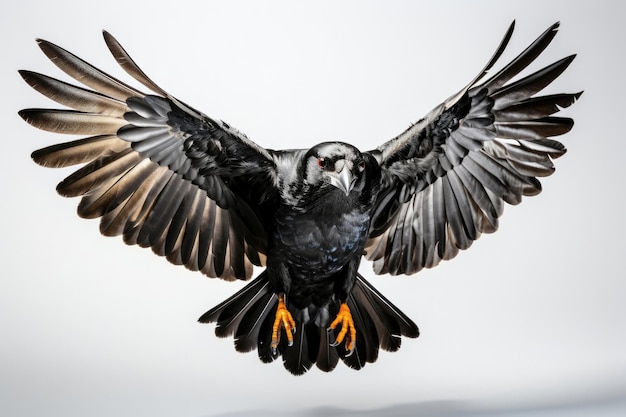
(529,321)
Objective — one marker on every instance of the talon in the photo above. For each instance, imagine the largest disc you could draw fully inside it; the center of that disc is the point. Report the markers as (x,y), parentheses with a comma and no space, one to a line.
(348,331)
(283,320)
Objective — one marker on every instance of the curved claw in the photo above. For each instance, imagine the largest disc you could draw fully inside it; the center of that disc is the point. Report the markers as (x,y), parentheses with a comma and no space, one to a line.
(348,331)
(283,320)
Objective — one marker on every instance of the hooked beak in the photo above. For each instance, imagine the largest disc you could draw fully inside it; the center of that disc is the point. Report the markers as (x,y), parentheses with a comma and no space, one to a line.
(344,180)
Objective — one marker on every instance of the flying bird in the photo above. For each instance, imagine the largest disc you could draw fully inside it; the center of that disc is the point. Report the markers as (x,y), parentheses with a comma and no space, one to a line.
(199,192)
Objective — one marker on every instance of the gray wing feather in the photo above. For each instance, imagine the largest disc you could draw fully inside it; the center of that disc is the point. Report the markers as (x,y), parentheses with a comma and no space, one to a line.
(74,96)
(86,73)
(129,65)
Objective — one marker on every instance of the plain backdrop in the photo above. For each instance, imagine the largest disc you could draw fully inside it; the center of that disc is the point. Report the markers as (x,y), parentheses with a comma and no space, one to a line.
(530,321)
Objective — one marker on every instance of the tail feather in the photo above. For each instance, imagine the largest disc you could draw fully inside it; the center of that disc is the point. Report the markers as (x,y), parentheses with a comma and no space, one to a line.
(264,349)
(249,316)
(367,342)
(301,356)
(390,322)
(327,355)
(231,312)
(385,309)
(247,334)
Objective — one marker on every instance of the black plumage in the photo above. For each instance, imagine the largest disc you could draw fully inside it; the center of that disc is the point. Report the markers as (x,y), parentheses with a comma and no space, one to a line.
(200,193)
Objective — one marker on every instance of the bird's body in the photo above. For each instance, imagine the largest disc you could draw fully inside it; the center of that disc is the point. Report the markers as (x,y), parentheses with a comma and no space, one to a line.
(315,249)
(199,192)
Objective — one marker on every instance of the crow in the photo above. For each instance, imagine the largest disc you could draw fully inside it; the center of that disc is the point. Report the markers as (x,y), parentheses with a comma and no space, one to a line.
(200,193)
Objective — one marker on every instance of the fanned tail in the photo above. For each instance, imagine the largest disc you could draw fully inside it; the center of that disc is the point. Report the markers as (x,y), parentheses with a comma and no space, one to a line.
(249,315)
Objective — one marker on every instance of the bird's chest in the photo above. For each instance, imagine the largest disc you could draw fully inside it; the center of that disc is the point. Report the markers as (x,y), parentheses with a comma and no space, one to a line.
(319,243)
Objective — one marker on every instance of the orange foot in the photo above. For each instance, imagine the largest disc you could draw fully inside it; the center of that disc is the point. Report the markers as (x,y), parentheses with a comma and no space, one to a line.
(348,331)
(283,320)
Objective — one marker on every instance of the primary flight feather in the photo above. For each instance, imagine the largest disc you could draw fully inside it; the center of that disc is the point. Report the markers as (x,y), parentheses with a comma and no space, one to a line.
(199,192)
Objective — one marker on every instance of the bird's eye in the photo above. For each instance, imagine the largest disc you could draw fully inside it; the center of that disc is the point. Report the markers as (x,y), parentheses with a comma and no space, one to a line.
(361,166)
(323,162)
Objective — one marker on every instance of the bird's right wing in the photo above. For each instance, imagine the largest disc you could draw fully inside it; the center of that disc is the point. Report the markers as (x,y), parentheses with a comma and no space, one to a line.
(156,171)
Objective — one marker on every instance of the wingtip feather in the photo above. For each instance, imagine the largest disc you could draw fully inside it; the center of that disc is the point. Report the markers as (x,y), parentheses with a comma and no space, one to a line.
(24,114)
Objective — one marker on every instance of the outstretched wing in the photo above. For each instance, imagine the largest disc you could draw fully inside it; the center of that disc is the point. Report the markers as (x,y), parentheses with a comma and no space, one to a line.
(447,176)
(156,171)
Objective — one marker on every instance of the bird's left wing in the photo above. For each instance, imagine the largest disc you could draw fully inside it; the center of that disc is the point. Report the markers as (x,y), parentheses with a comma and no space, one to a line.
(447,177)
(155,170)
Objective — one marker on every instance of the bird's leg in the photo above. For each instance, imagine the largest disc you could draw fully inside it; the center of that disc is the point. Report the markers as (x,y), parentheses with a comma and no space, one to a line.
(348,331)
(283,320)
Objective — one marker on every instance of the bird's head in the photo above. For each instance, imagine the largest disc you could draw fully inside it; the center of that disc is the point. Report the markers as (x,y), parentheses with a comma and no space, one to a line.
(335,164)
